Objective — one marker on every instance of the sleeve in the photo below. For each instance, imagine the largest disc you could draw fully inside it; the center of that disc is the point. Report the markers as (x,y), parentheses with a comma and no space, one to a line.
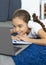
(30,24)
(35,26)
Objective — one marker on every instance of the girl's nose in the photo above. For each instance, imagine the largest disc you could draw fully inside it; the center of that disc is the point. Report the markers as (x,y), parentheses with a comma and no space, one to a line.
(17,29)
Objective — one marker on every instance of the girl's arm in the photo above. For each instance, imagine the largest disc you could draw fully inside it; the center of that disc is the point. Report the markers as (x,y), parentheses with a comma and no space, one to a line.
(38,41)
(41,41)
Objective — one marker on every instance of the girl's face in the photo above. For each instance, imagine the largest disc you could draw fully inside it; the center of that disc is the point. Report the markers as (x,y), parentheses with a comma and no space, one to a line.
(20,26)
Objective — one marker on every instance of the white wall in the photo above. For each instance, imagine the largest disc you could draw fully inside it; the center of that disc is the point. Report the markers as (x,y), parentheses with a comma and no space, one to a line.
(42,8)
(33,6)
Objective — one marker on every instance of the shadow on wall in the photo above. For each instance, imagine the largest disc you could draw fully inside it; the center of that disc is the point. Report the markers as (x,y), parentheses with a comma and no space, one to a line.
(7,7)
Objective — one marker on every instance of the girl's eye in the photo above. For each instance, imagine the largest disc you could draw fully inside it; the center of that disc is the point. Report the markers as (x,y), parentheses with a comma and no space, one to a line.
(20,26)
(14,26)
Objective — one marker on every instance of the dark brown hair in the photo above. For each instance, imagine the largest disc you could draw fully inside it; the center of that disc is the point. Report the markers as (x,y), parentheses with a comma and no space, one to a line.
(35,19)
(23,14)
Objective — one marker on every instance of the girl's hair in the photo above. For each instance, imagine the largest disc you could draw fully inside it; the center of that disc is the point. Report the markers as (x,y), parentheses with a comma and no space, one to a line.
(35,19)
(23,14)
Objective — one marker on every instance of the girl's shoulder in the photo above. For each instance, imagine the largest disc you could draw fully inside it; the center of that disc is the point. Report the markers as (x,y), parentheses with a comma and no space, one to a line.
(35,26)
(30,24)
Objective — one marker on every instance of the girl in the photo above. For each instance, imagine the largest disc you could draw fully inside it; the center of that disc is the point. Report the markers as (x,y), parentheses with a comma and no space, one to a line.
(24,27)
(29,31)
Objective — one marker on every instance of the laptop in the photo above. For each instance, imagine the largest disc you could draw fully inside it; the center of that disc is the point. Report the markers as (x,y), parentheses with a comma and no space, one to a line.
(6,45)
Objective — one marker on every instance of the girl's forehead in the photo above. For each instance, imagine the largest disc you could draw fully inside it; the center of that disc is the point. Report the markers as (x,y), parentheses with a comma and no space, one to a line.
(18,20)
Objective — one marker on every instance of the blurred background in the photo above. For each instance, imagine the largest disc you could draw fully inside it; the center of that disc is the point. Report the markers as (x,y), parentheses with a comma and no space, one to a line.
(7,7)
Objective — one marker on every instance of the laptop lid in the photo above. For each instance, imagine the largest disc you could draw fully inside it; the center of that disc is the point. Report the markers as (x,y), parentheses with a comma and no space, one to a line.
(6,45)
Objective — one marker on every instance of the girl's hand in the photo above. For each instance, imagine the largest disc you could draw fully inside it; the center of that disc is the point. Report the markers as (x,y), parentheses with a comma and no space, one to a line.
(24,38)
(15,37)
(21,37)
(12,30)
